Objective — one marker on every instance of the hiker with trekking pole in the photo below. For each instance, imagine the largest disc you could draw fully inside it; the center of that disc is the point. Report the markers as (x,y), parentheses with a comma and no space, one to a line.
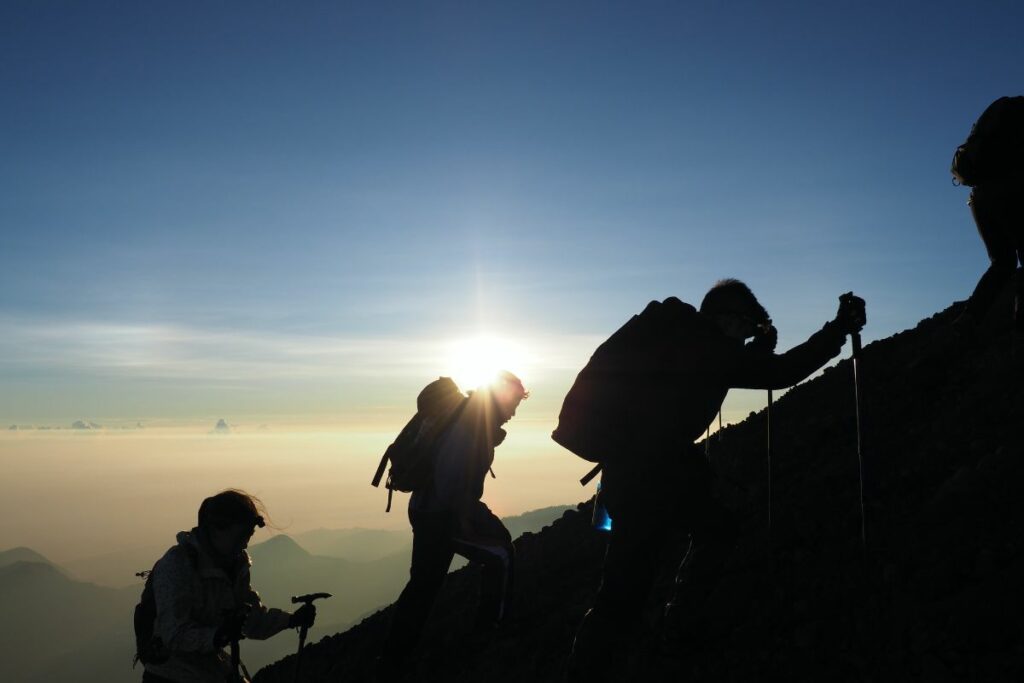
(443,456)
(635,409)
(197,601)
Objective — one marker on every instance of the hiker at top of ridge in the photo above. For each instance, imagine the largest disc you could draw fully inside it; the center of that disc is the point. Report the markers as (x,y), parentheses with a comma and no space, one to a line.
(448,518)
(198,599)
(991,161)
(643,398)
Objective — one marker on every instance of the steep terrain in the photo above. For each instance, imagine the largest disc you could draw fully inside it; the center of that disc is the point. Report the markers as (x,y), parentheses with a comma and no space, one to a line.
(936,597)
(282,567)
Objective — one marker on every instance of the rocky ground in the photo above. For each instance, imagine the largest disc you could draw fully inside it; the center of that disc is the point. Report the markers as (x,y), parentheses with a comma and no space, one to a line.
(936,597)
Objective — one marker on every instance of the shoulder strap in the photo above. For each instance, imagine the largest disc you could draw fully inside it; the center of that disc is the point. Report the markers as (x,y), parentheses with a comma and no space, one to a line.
(380,470)
(588,477)
(379,474)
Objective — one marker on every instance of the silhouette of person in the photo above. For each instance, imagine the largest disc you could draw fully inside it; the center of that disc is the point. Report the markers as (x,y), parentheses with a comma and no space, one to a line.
(992,161)
(448,518)
(645,395)
(204,600)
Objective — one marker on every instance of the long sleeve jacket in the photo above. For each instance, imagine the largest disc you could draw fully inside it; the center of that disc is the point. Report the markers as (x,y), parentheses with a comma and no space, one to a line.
(463,457)
(192,594)
(659,381)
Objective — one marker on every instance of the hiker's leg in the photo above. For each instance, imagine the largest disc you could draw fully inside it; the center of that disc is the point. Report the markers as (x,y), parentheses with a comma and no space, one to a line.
(713,532)
(489,544)
(431,556)
(495,578)
(713,526)
(630,567)
(988,210)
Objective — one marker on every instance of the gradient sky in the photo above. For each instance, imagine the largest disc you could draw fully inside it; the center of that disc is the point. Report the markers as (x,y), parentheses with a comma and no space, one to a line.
(290,211)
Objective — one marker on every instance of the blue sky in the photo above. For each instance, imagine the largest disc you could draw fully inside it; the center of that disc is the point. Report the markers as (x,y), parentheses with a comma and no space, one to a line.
(289,208)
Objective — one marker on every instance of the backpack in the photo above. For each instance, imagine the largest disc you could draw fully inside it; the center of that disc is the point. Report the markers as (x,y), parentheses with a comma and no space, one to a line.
(149,648)
(594,420)
(438,406)
(995,146)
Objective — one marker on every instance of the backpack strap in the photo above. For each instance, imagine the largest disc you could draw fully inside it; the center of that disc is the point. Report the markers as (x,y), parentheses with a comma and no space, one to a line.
(380,472)
(591,474)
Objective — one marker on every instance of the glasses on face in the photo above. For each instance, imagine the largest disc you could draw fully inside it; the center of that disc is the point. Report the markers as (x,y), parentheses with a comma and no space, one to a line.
(751,326)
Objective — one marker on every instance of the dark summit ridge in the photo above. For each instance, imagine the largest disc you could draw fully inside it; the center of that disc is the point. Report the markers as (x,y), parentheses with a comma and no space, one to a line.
(937,596)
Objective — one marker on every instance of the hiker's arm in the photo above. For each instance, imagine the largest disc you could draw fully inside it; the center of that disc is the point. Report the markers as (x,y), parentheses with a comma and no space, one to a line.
(172,592)
(262,622)
(754,369)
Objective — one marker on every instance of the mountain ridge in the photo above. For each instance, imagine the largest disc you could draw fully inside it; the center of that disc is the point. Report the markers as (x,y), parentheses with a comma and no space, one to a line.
(932,598)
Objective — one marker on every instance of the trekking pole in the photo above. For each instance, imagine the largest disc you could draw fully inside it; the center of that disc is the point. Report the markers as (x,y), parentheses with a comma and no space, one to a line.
(855,342)
(771,473)
(304,630)
(238,671)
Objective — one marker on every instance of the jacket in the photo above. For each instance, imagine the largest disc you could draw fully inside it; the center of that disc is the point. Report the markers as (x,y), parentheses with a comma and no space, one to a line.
(463,457)
(192,593)
(658,382)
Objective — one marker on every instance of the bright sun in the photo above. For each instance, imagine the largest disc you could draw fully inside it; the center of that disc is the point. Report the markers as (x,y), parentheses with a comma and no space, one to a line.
(476,361)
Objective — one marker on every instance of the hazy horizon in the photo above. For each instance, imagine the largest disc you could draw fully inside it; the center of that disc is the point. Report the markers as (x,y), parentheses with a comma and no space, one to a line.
(72,496)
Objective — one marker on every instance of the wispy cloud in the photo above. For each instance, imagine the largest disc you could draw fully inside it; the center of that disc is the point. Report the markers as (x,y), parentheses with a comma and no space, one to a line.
(166,351)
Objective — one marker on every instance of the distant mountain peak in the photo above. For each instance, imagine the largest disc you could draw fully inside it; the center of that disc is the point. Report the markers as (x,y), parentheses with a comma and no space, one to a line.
(21,554)
(278,547)
(15,573)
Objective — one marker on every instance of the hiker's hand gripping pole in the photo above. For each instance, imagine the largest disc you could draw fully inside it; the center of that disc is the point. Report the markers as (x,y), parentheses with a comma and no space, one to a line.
(306,600)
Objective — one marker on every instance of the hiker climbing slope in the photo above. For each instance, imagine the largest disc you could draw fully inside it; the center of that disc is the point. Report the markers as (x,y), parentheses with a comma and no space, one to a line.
(198,599)
(991,162)
(448,517)
(644,397)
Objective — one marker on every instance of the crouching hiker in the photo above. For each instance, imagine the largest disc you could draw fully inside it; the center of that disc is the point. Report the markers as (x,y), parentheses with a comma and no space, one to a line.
(644,397)
(197,600)
(456,437)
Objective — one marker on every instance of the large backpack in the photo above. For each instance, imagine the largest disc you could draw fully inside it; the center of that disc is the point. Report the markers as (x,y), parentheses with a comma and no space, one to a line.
(995,147)
(438,406)
(149,648)
(594,421)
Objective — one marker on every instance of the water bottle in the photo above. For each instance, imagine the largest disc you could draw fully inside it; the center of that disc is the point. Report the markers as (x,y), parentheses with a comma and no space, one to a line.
(601,520)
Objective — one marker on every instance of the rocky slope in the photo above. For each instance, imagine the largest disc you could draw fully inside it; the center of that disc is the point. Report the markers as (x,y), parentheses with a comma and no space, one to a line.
(936,597)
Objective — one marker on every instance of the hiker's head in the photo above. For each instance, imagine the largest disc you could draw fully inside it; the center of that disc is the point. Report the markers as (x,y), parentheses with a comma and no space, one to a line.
(229,519)
(735,309)
(508,392)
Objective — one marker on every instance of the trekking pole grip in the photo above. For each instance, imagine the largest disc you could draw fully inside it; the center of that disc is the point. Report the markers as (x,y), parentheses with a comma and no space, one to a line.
(855,341)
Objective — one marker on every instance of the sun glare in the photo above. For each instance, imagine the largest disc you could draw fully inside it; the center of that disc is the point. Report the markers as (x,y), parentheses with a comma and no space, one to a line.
(476,361)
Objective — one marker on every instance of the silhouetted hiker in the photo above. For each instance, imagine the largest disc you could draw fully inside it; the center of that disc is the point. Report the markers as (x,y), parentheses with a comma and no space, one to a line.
(448,518)
(198,601)
(645,395)
(991,161)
